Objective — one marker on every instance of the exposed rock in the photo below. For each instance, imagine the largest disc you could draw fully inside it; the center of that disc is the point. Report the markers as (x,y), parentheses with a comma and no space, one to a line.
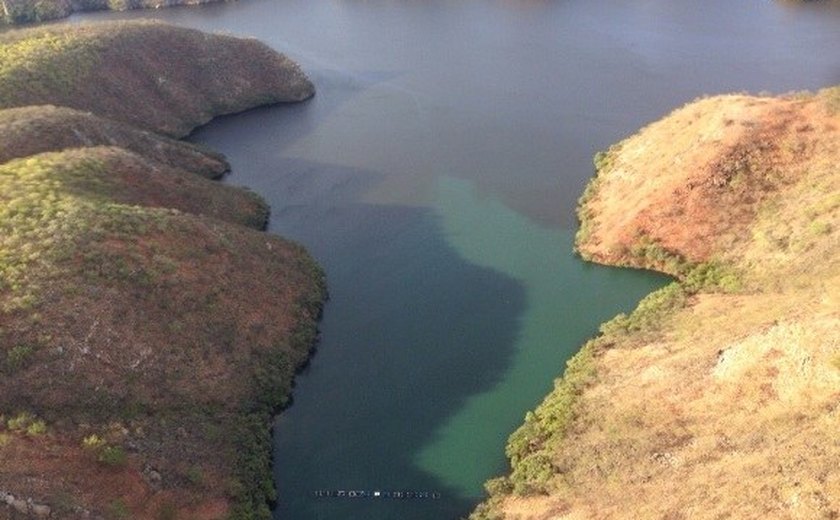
(152,477)
(19,505)
(41,510)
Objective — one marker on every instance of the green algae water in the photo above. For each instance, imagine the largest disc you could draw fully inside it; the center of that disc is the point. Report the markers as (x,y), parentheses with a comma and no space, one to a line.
(484,232)
(434,176)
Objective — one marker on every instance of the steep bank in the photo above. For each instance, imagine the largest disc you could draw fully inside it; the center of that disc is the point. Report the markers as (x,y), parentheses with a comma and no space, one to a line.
(148,328)
(719,395)
(151,75)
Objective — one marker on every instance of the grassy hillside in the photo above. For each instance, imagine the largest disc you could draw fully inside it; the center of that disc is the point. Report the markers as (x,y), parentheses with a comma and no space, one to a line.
(115,312)
(32,130)
(719,396)
(148,328)
(152,75)
(29,11)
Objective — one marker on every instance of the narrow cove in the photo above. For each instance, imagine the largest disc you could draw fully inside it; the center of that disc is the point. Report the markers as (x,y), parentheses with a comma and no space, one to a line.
(444,325)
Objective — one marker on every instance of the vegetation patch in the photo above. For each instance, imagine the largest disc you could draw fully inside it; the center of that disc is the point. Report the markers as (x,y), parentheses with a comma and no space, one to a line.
(25,422)
(144,316)
(40,61)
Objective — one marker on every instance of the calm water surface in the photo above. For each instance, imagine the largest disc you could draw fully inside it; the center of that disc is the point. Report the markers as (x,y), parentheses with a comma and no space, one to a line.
(434,176)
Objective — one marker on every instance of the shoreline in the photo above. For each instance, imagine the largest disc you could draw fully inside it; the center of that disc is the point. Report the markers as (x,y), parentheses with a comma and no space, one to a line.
(668,395)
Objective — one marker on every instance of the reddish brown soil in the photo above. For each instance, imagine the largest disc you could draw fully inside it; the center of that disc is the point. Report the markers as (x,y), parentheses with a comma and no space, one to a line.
(698,195)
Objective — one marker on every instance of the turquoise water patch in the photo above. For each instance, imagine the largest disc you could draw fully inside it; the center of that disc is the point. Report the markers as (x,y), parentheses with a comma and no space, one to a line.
(565,299)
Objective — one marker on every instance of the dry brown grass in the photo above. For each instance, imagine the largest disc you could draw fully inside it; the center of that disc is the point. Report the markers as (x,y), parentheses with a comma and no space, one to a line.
(149,74)
(726,159)
(730,410)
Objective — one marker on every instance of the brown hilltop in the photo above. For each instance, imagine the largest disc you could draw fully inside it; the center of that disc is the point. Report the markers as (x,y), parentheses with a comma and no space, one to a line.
(149,74)
(145,327)
(693,182)
(719,396)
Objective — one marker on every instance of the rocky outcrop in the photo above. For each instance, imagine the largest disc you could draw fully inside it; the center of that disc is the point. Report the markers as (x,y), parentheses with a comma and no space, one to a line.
(25,506)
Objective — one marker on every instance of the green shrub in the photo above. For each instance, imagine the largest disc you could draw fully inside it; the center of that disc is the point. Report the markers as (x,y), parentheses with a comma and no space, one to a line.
(253,486)
(93,442)
(532,475)
(650,313)
(36,428)
(119,510)
(196,476)
(25,422)
(706,276)
(19,421)
(112,456)
(485,511)
(653,256)
(547,425)
(498,486)
(712,276)
(167,511)
(18,357)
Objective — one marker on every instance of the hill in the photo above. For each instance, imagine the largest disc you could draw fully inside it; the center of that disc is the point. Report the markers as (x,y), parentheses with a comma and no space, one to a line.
(719,396)
(28,11)
(36,129)
(151,75)
(148,327)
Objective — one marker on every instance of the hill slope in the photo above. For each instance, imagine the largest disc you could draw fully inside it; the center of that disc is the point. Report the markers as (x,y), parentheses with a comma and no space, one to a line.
(720,395)
(36,129)
(27,11)
(148,329)
(117,312)
(152,75)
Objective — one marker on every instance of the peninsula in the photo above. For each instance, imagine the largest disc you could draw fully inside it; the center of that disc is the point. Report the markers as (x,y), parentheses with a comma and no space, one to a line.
(719,395)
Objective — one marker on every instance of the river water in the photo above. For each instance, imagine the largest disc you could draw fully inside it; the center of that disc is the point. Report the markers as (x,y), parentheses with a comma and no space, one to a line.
(434,176)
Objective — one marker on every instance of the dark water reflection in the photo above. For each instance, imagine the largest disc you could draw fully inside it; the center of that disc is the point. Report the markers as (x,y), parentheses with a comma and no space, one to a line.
(399,357)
